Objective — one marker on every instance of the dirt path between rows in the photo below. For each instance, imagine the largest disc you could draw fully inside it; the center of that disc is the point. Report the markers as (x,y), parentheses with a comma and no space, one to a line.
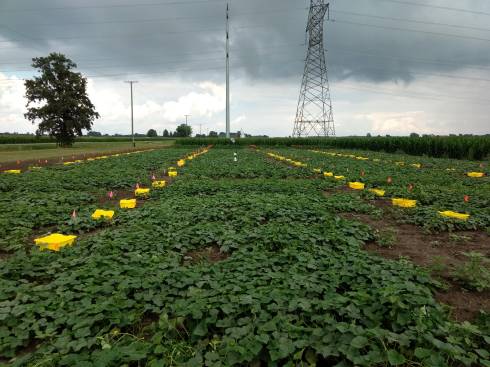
(440,252)
(24,165)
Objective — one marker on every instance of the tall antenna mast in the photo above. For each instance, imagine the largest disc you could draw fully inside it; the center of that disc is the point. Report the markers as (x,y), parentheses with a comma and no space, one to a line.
(227,71)
(314,116)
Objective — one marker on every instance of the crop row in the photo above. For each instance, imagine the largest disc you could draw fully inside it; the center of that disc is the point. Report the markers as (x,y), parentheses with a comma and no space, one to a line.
(455,147)
(434,188)
(40,199)
(236,263)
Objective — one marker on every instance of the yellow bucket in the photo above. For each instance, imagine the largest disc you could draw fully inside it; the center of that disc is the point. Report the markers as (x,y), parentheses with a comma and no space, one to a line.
(181,163)
(476,174)
(172,174)
(339,177)
(103,214)
(159,184)
(328,174)
(54,241)
(356,185)
(13,171)
(378,192)
(404,203)
(128,204)
(454,215)
(142,192)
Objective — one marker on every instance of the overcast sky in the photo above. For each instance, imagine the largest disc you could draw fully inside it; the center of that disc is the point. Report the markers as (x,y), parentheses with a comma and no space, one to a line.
(395,67)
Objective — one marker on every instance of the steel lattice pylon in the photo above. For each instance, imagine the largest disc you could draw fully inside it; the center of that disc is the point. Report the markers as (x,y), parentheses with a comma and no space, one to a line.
(314,116)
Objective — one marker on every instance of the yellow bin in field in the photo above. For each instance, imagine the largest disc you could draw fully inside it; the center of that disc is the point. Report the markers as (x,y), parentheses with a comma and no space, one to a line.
(378,192)
(103,214)
(356,185)
(404,203)
(142,192)
(454,215)
(54,242)
(13,171)
(128,204)
(476,174)
(159,184)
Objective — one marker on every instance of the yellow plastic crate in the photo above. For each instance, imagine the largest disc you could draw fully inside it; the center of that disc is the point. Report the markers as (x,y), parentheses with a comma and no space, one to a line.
(356,185)
(128,204)
(103,214)
(13,171)
(328,174)
(54,242)
(339,177)
(181,163)
(172,174)
(476,174)
(317,170)
(142,192)
(404,203)
(378,192)
(454,215)
(159,184)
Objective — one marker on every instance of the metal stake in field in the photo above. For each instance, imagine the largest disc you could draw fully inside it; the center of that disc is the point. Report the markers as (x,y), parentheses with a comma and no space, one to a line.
(131,82)
(314,116)
(227,71)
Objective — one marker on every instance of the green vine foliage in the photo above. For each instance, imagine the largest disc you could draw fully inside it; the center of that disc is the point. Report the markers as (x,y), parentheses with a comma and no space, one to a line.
(294,289)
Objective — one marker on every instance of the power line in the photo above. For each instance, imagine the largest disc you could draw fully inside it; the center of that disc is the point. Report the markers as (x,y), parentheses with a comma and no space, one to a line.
(154,4)
(462,10)
(161,20)
(411,30)
(415,21)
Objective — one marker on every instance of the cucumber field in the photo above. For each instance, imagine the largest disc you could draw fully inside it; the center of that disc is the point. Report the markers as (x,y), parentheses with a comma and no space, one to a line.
(246,256)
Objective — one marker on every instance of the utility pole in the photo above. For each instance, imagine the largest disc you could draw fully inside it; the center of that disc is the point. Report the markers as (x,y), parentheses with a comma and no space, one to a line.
(314,116)
(227,70)
(131,82)
(186,117)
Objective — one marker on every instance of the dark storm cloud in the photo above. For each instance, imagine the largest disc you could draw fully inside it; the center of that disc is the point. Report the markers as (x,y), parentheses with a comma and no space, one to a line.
(267,37)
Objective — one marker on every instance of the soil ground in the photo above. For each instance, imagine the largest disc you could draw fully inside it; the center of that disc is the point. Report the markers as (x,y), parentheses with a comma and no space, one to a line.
(441,250)
(37,154)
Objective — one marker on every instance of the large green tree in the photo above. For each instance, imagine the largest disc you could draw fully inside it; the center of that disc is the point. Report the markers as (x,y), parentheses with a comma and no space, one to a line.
(58,99)
(152,133)
(183,131)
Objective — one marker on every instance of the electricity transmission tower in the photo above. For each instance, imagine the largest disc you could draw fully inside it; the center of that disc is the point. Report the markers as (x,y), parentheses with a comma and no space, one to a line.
(314,116)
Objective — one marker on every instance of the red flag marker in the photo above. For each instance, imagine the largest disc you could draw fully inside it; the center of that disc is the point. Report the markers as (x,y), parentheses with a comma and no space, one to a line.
(389,180)
(110,194)
(153,178)
(466,199)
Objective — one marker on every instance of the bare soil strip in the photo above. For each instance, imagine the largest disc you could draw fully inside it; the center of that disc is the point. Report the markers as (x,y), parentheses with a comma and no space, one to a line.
(444,250)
